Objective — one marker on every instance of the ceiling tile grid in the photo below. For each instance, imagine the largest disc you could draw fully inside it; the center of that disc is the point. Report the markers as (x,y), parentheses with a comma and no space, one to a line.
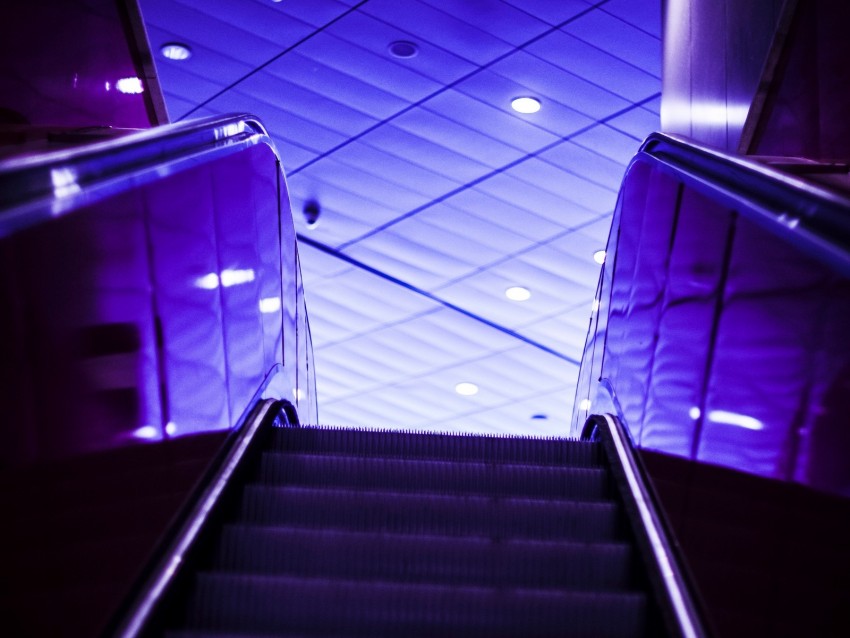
(435,195)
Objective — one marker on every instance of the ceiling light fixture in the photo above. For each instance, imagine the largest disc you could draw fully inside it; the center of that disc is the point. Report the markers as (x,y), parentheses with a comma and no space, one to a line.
(525,104)
(518,293)
(176,51)
(599,257)
(403,49)
(466,389)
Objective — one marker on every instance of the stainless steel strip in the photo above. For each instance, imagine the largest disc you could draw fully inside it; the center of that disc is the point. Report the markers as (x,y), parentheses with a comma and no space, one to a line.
(140,612)
(676,590)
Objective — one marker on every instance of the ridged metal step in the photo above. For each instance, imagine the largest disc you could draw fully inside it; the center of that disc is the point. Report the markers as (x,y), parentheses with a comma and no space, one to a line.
(288,551)
(418,513)
(484,449)
(266,604)
(403,475)
(377,533)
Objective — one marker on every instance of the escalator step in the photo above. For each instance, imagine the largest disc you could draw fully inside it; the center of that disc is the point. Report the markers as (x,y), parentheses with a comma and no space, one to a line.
(558,452)
(577,483)
(423,559)
(224,602)
(360,510)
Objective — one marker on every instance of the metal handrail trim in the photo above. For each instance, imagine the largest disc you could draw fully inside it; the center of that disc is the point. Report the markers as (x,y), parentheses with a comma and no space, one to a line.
(663,557)
(200,513)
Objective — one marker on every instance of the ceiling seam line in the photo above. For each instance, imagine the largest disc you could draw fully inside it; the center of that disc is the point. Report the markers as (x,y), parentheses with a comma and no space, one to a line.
(445,88)
(449,178)
(632,24)
(271,60)
(494,173)
(333,252)
(493,408)
(393,324)
(522,251)
(424,374)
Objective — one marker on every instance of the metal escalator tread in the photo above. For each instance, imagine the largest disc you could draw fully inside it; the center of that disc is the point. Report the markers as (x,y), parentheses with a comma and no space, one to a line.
(425,513)
(310,553)
(370,533)
(373,608)
(485,449)
(426,475)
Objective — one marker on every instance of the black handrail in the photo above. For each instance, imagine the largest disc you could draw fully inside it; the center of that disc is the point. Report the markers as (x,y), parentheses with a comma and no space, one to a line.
(813,218)
(146,601)
(39,187)
(667,575)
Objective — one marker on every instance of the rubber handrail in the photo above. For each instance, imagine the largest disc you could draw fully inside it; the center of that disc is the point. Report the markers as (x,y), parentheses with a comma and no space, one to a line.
(667,575)
(36,188)
(811,217)
(200,513)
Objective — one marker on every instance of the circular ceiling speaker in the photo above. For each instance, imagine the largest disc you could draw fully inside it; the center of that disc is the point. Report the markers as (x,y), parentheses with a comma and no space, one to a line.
(403,49)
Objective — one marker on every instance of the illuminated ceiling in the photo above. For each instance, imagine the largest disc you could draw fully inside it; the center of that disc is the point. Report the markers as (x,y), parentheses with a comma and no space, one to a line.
(436,196)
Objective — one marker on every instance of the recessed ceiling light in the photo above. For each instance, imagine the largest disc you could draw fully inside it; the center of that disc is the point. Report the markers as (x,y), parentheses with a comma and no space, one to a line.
(403,49)
(599,257)
(518,293)
(466,389)
(539,417)
(176,51)
(525,104)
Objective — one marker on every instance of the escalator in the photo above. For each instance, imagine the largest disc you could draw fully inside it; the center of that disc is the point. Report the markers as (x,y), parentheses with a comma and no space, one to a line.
(331,532)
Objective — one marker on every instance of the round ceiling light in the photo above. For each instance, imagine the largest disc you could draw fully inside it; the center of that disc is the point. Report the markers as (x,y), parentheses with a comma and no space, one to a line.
(599,257)
(518,293)
(525,104)
(466,389)
(403,49)
(176,51)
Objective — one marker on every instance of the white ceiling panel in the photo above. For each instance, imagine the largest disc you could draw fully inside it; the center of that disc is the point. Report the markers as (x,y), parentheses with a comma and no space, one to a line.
(433,62)
(423,151)
(554,12)
(553,84)
(562,119)
(609,142)
(586,163)
(646,16)
(595,65)
(620,38)
(521,220)
(472,42)
(545,203)
(498,18)
(492,120)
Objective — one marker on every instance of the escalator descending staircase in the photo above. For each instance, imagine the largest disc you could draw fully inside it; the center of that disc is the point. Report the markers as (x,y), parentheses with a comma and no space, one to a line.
(336,532)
